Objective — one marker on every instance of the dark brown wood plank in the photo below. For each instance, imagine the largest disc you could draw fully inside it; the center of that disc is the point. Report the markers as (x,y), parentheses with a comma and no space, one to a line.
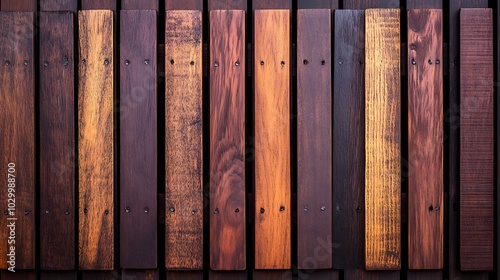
(138,144)
(58,275)
(18,275)
(496,19)
(276,274)
(227,140)
(365,4)
(425,275)
(101,275)
(227,275)
(476,139)
(17,145)
(314,138)
(452,120)
(184,5)
(58,5)
(425,139)
(184,275)
(357,274)
(57,141)
(317,274)
(19,6)
(271,4)
(98,5)
(140,5)
(318,4)
(131,274)
(424,4)
(349,140)
(95,140)
(184,119)
(227,4)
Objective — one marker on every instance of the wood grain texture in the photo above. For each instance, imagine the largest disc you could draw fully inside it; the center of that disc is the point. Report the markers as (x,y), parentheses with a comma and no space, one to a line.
(227,140)
(476,139)
(183,107)
(452,121)
(425,139)
(184,275)
(184,5)
(58,5)
(140,5)
(227,275)
(318,4)
(272,139)
(365,4)
(138,139)
(98,5)
(496,20)
(19,6)
(58,275)
(271,4)
(314,138)
(382,140)
(95,140)
(57,141)
(355,274)
(141,274)
(349,140)
(227,4)
(17,145)
(424,4)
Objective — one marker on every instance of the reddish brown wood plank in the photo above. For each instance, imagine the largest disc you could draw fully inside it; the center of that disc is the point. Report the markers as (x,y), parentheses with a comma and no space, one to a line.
(19,6)
(476,139)
(58,275)
(314,138)
(184,5)
(271,4)
(272,139)
(227,275)
(57,141)
(98,5)
(95,140)
(140,274)
(183,107)
(138,144)
(227,140)
(139,4)
(58,5)
(365,4)
(424,4)
(17,145)
(18,275)
(348,140)
(425,139)
(227,4)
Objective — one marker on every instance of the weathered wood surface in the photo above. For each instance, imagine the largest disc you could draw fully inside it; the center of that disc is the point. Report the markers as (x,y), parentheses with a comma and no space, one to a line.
(95,140)
(382,136)
(58,5)
(183,121)
(272,139)
(425,139)
(138,139)
(58,159)
(476,140)
(314,138)
(17,144)
(227,140)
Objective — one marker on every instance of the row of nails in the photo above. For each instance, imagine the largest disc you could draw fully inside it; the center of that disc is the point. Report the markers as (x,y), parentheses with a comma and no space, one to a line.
(172,209)
(413,62)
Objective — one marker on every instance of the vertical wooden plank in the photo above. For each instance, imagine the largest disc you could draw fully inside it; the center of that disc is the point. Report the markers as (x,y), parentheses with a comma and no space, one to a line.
(58,5)
(271,4)
(314,138)
(318,4)
(476,139)
(424,4)
(139,5)
(227,140)
(496,30)
(382,146)
(184,5)
(153,274)
(183,107)
(348,143)
(95,140)
(19,6)
(425,139)
(17,145)
(366,4)
(98,5)
(452,119)
(57,141)
(227,5)
(272,139)
(138,121)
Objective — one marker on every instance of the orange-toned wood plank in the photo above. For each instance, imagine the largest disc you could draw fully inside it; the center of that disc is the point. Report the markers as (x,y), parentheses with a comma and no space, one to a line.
(272,139)
(382,135)
(17,144)
(183,107)
(314,137)
(425,139)
(95,140)
(227,140)
(476,139)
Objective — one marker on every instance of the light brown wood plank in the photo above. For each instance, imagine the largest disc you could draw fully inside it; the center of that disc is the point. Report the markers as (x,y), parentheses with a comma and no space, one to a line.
(95,140)
(382,145)
(272,139)
(183,109)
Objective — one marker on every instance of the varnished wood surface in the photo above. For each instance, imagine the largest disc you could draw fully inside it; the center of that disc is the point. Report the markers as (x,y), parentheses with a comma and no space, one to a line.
(138,139)
(183,120)
(17,144)
(95,140)
(314,138)
(476,139)
(382,136)
(272,139)
(425,139)
(58,158)
(227,140)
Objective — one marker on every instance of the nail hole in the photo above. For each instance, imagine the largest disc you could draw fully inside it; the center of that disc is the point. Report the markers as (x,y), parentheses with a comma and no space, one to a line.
(437,208)
(337,208)
(262,210)
(323,62)
(429,61)
(192,63)
(216,64)
(306,61)
(282,63)
(172,62)
(358,209)
(171,209)
(261,62)
(437,61)
(66,61)
(46,211)
(431,208)
(323,208)
(282,208)
(6,212)
(106,62)
(45,64)
(237,63)
(340,62)
(216,211)
(85,211)
(146,62)
(360,62)
(106,212)
(146,210)
(7,62)
(66,212)
(127,209)
(193,212)
(413,62)
(127,62)
(26,212)
(25,63)
(237,210)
